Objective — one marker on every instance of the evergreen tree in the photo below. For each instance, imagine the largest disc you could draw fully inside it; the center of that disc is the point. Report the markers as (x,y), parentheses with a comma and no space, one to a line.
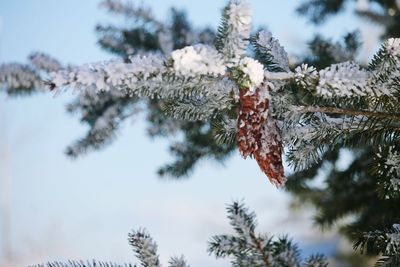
(358,191)
(245,248)
(385,13)
(218,97)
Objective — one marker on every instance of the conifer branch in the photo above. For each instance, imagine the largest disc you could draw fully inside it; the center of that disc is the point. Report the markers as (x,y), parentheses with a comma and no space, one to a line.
(350,112)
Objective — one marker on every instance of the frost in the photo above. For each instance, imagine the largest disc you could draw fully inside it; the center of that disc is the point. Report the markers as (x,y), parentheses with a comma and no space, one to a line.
(305,75)
(272,45)
(240,16)
(392,46)
(393,162)
(198,60)
(178,262)
(128,9)
(44,62)
(344,79)
(393,244)
(103,76)
(392,166)
(17,78)
(145,248)
(236,30)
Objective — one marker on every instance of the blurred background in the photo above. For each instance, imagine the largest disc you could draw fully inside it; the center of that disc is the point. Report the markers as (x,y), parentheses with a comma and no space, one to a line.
(54,208)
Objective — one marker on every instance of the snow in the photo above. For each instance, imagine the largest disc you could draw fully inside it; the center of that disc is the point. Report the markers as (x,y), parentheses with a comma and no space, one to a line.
(344,79)
(253,70)
(198,60)
(103,76)
(239,18)
(240,14)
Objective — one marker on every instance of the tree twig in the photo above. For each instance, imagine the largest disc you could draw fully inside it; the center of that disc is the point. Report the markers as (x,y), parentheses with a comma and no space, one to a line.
(350,112)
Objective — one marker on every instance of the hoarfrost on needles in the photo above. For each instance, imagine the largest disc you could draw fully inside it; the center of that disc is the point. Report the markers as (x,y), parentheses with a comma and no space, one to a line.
(239,18)
(343,79)
(392,45)
(267,41)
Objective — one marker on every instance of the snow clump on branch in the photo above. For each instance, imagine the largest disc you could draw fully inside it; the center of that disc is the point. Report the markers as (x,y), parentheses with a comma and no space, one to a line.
(253,70)
(198,60)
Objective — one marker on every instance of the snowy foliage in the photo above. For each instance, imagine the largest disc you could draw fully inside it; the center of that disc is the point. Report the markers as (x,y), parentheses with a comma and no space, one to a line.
(128,9)
(83,264)
(303,110)
(233,35)
(245,248)
(19,79)
(385,242)
(344,79)
(200,82)
(178,262)
(106,75)
(392,46)
(44,62)
(268,45)
(305,75)
(249,248)
(388,170)
(145,248)
(16,78)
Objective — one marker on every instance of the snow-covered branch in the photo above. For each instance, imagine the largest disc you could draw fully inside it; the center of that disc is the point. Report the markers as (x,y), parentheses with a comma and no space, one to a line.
(202,82)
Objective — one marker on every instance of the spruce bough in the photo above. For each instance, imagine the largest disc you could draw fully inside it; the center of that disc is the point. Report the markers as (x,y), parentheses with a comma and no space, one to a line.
(303,111)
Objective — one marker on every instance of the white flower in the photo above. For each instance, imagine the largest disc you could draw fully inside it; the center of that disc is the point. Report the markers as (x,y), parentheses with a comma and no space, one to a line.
(253,69)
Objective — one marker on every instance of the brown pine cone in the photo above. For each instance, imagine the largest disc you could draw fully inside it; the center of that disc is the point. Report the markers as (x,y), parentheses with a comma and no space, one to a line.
(258,134)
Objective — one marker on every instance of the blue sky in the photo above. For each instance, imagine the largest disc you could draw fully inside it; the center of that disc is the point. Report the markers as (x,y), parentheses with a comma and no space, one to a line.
(82,209)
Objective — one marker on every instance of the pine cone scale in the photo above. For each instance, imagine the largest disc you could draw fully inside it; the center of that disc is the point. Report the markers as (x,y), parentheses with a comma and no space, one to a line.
(258,134)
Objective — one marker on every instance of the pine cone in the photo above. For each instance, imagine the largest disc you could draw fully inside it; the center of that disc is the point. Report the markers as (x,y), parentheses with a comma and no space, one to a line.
(258,134)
